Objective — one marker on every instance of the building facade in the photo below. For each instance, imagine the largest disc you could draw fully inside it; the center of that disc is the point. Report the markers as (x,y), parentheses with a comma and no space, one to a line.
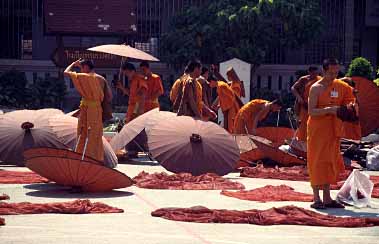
(30,34)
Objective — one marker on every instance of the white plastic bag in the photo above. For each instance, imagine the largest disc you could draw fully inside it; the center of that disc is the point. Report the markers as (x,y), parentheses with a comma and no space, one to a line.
(373,159)
(357,190)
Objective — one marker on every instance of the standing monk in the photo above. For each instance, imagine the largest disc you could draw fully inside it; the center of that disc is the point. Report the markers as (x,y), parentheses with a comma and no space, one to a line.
(176,91)
(228,102)
(301,91)
(90,124)
(136,92)
(235,82)
(248,117)
(191,103)
(154,87)
(207,113)
(326,98)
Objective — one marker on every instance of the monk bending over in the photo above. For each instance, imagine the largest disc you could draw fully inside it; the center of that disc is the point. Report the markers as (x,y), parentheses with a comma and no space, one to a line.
(248,117)
(324,131)
(228,102)
(90,87)
(136,92)
(301,91)
(154,87)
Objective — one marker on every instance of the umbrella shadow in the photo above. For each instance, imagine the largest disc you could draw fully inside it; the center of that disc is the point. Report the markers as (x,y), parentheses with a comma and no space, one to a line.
(349,213)
(56,191)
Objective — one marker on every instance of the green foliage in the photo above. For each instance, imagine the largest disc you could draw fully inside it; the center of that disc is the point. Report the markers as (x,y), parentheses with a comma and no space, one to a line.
(13,87)
(360,67)
(16,93)
(244,29)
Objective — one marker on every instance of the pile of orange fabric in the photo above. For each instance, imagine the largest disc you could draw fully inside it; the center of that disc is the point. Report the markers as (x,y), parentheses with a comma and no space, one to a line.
(4,197)
(73,207)
(288,215)
(2,221)
(185,181)
(18,177)
(270,194)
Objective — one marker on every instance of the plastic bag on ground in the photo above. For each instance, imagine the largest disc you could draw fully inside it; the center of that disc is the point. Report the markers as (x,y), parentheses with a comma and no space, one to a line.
(373,159)
(356,190)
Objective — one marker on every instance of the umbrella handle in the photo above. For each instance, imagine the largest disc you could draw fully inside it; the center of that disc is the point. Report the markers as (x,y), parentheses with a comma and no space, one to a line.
(78,140)
(85,145)
(277,121)
(147,153)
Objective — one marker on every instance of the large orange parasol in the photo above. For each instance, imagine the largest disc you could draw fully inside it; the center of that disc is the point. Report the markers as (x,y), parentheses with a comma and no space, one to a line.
(272,152)
(65,128)
(183,144)
(124,51)
(132,129)
(368,97)
(81,174)
(24,129)
(277,136)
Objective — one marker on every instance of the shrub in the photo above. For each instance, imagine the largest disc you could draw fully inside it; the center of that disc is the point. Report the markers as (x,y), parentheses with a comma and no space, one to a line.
(360,67)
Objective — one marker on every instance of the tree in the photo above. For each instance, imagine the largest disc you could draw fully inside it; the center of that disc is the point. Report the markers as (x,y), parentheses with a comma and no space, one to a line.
(360,67)
(48,92)
(377,80)
(13,87)
(245,29)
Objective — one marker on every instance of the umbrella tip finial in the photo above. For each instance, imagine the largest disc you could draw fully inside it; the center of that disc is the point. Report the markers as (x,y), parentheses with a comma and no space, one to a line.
(195,138)
(27,125)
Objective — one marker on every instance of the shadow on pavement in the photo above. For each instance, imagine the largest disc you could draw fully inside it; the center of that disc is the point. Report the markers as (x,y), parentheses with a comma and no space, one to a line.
(350,213)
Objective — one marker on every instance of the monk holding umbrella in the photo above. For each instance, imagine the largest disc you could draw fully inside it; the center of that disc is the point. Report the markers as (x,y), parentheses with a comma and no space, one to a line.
(329,102)
(90,123)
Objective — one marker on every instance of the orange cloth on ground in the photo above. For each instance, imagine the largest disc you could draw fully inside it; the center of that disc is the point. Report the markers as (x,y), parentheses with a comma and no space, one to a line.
(199,92)
(137,85)
(228,103)
(154,86)
(246,115)
(324,159)
(301,132)
(91,90)
(236,87)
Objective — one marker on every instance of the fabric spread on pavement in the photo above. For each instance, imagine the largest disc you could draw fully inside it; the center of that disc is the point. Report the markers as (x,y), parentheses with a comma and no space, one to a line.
(288,215)
(271,194)
(185,181)
(73,207)
(4,197)
(18,177)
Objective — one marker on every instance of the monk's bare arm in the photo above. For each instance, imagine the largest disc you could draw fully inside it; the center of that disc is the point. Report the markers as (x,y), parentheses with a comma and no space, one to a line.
(256,119)
(67,72)
(312,103)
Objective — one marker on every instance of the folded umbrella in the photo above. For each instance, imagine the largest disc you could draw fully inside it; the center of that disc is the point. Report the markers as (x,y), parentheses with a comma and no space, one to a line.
(184,144)
(24,129)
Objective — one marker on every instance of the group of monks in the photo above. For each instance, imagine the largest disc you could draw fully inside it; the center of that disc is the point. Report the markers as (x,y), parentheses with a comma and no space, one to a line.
(318,100)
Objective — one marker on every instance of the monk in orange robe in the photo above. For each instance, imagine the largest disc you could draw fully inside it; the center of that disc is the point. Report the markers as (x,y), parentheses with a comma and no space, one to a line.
(191,103)
(207,113)
(154,87)
(136,92)
(227,101)
(90,124)
(252,113)
(235,82)
(176,91)
(324,131)
(301,91)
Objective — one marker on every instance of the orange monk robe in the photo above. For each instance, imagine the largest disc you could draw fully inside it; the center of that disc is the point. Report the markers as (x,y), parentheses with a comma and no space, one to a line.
(137,85)
(236,87)
(244,121)
(199,92)
(154,88)
(91,90)
(324,132)
(175,89)
(228,104)
(301,132)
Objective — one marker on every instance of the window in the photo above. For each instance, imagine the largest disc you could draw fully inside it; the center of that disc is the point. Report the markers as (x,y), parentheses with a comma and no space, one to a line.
(269,82)
(280,83)
(259,82)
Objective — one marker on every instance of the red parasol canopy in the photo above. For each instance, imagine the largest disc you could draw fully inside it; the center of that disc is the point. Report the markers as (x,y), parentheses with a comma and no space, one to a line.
(274,153)
(368,97)
(24,129)
(65,128)
(124,51)
(86,175)
(184,144)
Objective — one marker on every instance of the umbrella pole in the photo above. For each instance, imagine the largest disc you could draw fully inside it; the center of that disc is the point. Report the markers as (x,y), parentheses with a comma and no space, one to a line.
(277,121)
(141,148)
(78,140)
(85,145)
